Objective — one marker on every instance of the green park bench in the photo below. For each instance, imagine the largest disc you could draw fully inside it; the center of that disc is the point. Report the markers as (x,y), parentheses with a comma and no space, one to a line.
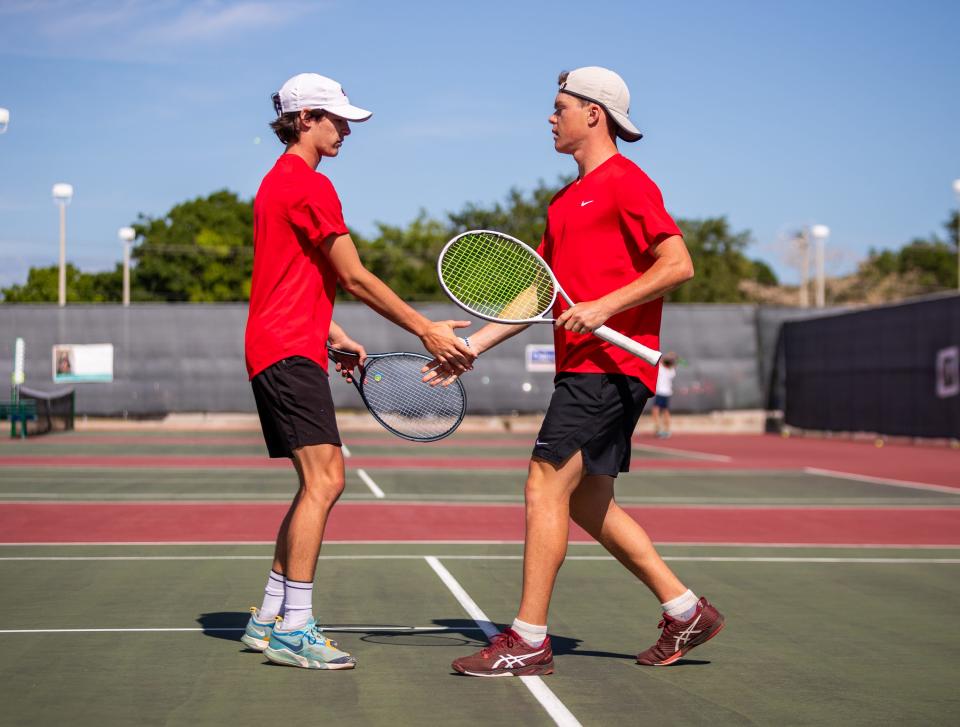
(18,411)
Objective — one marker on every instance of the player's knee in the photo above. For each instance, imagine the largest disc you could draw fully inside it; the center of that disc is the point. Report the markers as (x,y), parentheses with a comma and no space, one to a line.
(325,488)
(540,493)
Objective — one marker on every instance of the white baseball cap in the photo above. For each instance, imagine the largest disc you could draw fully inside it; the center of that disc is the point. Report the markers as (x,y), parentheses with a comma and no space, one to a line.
(603,86)
(312,91)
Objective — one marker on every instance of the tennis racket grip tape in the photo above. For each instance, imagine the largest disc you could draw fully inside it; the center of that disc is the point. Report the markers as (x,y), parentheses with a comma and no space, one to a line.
(628,344)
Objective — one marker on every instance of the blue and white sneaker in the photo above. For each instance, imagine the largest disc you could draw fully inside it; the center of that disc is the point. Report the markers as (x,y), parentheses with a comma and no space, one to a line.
(307,648)
(257,634)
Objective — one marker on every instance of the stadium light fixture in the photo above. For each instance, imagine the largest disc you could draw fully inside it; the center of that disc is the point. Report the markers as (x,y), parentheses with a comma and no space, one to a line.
(4,119)
(62,194)
(820,233)
(126,235)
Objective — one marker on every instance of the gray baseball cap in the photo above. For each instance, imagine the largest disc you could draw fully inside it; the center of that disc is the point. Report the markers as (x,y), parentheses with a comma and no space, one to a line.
(603,86)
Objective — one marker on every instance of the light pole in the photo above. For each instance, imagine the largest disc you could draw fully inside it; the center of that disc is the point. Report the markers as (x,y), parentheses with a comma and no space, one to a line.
(4,119)
(803,238)
(127,235)
(956,190)
(62,194)
(820,234)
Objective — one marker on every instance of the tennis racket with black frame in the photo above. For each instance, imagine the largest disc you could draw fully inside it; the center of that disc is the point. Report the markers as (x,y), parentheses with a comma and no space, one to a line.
(392,388)
(501,279)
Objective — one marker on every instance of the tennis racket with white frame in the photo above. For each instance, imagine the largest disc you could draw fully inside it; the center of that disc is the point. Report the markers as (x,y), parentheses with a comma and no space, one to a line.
(501,279)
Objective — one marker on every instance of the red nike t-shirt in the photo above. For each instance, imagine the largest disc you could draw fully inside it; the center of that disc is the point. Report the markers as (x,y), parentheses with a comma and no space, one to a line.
(598,237)
(293,285)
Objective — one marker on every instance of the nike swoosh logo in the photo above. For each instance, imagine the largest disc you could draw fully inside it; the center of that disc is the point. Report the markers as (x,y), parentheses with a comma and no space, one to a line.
(584,204)
(295,648)
(542,444)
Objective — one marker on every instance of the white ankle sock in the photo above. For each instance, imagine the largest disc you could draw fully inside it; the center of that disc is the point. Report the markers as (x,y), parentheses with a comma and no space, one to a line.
(272,598)
(298,604)
(682,607)
(533,635)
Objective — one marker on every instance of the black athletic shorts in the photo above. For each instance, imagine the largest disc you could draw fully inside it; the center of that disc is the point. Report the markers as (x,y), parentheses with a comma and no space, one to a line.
(295,406)
(593,413)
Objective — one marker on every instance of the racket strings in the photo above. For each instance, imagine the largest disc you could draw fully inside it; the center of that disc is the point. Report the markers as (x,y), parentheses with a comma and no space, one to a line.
(496,277)
(395,392)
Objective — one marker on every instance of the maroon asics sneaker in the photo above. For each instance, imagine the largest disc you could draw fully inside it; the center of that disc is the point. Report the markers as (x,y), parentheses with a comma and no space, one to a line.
(508,655)
(678,637)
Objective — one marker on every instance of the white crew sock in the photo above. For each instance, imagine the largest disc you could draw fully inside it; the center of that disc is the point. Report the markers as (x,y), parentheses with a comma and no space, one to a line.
(272,598)
(297,604)
(533,635)
(682,607)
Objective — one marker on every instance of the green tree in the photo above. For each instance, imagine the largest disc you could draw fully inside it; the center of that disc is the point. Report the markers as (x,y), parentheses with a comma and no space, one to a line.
(720,263)
(406,258)
(200,251)
(42,286)
(929,264)
(523,217)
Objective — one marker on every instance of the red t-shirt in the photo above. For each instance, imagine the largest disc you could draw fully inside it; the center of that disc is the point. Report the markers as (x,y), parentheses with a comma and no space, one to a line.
(293,285)
(597,240)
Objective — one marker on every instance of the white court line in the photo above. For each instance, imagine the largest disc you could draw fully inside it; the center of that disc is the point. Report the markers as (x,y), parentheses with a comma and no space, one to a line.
(683,558)
(368,481)
(689,455)
(555,708)
(346,450)
(881,480)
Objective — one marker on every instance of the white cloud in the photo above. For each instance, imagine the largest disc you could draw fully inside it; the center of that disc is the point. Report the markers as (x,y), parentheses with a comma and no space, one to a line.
(135,29)
(213,20)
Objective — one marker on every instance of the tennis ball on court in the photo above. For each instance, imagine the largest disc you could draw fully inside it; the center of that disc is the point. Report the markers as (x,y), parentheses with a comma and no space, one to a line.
(878,443)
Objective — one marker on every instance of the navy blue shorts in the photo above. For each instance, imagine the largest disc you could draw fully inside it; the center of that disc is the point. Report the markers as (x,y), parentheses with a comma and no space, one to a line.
(663,402)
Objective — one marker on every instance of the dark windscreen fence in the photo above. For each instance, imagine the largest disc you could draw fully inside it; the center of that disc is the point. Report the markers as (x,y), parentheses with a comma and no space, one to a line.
(893,370)
(190,357)
(55,409)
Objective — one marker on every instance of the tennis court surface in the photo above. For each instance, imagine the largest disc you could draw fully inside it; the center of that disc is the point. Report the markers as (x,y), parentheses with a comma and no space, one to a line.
(129,559)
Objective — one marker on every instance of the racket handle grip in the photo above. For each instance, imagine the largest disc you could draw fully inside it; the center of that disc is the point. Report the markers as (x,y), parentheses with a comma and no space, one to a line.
(628,344)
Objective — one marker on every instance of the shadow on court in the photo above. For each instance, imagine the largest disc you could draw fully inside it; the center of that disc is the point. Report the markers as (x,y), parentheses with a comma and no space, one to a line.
(229,625)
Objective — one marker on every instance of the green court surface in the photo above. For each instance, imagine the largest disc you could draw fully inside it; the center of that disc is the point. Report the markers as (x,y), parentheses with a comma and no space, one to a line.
(131,634)
(693,487)
(251,444)
(817,636)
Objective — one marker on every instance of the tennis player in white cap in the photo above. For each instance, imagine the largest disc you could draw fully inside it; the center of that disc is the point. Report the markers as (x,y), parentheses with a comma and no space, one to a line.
(302,249)
(613,246)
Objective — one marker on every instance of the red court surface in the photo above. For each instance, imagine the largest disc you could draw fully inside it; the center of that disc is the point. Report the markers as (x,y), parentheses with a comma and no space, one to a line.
(918,464)
(257,522)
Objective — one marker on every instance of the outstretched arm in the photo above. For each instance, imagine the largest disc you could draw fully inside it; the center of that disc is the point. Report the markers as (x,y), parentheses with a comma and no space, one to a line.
(437,336)
(483,340)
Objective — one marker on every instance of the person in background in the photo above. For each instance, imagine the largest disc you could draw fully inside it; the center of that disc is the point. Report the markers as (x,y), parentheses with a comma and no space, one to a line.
(661,399)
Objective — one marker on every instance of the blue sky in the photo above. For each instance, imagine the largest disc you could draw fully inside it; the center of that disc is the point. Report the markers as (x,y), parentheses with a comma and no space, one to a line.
(774,114)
